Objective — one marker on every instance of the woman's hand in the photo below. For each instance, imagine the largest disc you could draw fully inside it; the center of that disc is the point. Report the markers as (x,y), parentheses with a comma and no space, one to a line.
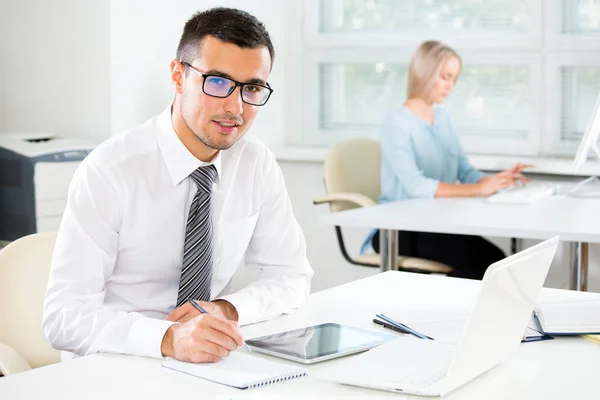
(519,178)
(491,184)
(518,167)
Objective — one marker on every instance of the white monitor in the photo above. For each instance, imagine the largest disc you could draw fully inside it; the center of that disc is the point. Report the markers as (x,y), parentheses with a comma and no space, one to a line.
(589,141)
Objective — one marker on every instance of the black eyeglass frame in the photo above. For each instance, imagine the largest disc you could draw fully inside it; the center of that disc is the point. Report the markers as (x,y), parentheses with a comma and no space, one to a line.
(232,89)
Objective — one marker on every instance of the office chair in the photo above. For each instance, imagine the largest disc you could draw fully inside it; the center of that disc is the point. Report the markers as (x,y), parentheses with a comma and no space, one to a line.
(352,180)
(24,268)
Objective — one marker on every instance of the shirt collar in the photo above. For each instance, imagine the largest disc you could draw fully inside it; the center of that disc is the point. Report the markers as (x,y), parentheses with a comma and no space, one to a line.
(180,162)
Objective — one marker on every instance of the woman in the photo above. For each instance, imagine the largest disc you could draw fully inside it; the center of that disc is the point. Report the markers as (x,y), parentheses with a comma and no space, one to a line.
(422,157)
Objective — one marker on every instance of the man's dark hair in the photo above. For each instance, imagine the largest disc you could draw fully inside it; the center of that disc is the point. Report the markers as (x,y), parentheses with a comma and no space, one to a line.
(226,24)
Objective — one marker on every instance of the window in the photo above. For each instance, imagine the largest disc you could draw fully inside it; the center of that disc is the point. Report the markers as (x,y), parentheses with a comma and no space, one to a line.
(531,69)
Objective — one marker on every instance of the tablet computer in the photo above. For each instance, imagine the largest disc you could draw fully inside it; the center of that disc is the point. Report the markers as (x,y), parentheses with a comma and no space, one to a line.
(318,343)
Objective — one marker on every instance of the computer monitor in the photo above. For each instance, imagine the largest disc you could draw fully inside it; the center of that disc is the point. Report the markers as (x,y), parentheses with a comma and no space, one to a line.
(589,187)
(589,141)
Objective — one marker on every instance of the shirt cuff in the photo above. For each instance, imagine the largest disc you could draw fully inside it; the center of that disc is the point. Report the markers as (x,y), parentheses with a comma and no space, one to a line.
(246,306)
(146,335)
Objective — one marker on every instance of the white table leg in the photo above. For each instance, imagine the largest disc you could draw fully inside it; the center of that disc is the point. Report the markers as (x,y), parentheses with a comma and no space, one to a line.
(389,249)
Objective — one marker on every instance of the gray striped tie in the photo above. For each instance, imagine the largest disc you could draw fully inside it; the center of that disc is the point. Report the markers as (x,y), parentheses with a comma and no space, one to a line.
(196,272)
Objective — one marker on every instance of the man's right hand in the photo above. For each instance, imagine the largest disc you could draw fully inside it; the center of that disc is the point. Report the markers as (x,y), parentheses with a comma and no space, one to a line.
(205,338)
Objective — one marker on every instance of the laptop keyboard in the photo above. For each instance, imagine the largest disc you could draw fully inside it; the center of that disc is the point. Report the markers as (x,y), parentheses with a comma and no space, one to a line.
(423,365)
(420,363)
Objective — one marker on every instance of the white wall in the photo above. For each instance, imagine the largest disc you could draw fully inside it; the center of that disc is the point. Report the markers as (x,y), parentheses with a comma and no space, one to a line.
(54,67)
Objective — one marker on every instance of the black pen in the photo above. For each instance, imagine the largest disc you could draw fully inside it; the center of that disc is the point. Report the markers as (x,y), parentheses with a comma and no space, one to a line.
(527,339)
(392,327)
(203,311)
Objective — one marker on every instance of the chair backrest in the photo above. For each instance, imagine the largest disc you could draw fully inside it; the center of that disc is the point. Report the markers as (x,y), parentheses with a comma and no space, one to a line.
(353,166)
(24,269)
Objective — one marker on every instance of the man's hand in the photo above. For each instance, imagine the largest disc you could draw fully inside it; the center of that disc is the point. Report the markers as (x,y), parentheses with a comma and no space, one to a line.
(205,338)
(218,308)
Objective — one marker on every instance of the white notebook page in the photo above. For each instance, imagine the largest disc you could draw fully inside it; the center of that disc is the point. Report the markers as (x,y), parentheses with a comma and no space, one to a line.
(238,370)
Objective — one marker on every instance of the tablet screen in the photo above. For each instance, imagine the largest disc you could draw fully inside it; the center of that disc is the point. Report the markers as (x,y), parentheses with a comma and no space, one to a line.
(320,341)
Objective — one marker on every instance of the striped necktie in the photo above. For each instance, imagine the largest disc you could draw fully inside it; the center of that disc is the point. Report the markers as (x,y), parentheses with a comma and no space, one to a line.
(196,272)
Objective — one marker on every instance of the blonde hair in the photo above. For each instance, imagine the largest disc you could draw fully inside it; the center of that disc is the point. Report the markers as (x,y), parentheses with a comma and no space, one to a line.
(425,65)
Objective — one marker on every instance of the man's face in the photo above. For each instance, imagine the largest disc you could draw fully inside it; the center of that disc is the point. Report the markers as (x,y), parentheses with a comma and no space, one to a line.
(220,122)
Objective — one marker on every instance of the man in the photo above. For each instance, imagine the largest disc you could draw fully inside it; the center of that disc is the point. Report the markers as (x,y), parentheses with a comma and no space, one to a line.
(165,212)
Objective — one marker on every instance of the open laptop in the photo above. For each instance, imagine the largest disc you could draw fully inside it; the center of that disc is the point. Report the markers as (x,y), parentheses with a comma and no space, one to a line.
(492,333)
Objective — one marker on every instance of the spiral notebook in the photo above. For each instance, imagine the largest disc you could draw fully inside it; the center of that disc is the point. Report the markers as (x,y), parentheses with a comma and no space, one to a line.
(239,370)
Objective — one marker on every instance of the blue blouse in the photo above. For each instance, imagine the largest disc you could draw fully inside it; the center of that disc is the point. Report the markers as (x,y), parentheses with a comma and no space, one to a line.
(416,156)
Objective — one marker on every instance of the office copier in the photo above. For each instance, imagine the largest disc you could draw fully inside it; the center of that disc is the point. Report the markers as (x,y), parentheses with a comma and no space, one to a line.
(35,172)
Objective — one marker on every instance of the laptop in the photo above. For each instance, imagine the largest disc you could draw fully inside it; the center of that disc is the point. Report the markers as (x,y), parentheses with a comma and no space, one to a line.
(492,333)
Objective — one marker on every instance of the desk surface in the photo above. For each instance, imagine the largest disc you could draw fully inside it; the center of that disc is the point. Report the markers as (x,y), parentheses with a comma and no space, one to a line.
(563,368)
(573,219)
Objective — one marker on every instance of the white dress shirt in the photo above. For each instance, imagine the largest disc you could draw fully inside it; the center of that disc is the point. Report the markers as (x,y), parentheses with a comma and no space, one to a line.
(118,256)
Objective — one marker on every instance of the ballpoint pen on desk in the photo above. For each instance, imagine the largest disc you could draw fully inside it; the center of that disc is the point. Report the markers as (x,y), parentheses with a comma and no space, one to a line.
(203,311)
(392,327)
(403,327)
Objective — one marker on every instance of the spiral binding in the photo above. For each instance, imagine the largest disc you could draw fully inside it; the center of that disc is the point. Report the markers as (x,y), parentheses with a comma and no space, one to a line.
(280,378)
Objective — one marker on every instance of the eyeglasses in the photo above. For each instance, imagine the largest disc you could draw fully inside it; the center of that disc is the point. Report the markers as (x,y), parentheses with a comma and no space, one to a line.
(218,86)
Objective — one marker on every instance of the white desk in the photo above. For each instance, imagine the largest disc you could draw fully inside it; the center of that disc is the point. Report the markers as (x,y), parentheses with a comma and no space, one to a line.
(564,368)
(574,219)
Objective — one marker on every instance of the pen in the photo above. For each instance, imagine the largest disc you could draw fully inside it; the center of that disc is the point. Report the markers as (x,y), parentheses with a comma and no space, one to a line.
(388,326)
(527,339)
(203,311)
(402,326)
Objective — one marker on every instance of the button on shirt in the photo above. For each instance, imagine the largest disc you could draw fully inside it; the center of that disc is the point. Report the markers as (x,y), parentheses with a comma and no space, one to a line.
(118,256)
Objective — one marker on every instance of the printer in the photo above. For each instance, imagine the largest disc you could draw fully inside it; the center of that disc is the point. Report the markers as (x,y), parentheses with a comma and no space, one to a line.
(35,172)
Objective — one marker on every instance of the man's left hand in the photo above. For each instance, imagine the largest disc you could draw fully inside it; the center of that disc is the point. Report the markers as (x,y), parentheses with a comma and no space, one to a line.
(219,308)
